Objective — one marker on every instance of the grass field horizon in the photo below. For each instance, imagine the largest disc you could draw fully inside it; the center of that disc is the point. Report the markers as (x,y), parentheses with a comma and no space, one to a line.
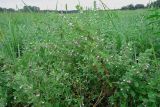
(89,59)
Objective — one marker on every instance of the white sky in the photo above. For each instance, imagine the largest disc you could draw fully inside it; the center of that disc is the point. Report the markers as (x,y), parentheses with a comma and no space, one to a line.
(51,4)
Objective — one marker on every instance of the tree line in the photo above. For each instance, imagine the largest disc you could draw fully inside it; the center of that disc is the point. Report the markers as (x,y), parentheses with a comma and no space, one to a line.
(34,9)
(155,4)
(24,9)
(132,7)
(6,10)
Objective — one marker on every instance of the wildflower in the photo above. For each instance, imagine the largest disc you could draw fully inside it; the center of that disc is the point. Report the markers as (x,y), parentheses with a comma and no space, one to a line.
(64,17)
(137,72)
(70,24)
(85,38)
(147,66)
(37,95)
(98,57)
(21,87)
(102,39)
(30,87)
(75,42)
(15,98)
(129,81)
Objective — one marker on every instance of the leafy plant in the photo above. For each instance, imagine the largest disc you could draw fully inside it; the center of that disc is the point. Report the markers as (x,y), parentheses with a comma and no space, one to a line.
(96,58)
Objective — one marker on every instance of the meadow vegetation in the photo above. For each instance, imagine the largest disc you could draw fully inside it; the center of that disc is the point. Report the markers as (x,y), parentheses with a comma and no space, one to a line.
(89,59)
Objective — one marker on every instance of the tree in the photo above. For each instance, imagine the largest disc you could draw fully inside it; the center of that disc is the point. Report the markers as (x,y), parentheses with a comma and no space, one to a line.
(155,4)
(124,8)
(6,10)
(30,8)
(79,8)
(95,5)
(139,6)
(129,7)
(35,9)
(10,10)
(1,9)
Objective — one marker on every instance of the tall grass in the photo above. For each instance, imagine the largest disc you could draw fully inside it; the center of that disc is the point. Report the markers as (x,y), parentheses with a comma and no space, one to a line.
(97,58)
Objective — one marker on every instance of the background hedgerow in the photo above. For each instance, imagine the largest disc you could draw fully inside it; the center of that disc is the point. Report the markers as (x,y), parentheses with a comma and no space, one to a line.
(100,58)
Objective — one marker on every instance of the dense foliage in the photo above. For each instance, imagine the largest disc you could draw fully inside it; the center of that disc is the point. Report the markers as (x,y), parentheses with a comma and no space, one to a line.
(30,9)
(99,59)
(6,10)
(132,7)
(155,4)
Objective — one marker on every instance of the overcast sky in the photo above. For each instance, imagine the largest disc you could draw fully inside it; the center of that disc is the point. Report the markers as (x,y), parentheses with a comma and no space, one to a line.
(51,4)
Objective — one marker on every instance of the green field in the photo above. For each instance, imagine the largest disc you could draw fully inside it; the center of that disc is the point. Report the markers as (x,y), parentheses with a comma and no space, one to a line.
(90,59)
